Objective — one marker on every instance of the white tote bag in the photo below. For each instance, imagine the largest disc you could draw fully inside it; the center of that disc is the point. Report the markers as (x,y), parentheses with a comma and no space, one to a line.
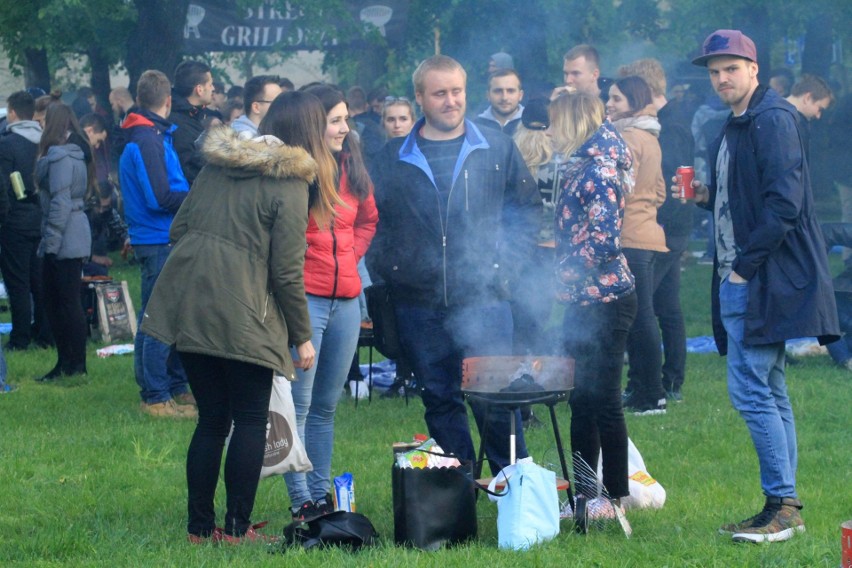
(284,450)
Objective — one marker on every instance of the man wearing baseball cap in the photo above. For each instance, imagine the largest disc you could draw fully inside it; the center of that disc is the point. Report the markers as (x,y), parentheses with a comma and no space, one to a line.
(771,280)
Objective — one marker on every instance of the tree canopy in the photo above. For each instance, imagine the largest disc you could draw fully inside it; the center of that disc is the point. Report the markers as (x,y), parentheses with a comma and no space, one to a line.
(40,35)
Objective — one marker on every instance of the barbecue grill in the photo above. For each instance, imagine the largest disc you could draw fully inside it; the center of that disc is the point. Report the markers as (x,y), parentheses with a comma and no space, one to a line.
(519,381)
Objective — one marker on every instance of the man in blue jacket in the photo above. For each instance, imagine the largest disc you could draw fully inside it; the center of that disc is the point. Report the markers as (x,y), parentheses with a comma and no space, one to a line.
(153,187)
(458,212)
(771,280)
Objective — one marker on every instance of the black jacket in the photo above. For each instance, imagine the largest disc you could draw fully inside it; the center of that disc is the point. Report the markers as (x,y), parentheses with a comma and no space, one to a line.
(780,248)
(190,121)
(463,252)
(18,154)
(678,149)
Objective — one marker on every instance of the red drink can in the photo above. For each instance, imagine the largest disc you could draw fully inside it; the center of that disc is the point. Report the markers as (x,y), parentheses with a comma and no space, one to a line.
(685,175)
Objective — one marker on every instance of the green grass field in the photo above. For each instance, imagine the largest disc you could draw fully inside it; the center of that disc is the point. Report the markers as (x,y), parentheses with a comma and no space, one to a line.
(87,480)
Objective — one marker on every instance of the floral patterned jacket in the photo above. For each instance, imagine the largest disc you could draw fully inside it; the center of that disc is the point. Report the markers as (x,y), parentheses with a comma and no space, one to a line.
(590,267)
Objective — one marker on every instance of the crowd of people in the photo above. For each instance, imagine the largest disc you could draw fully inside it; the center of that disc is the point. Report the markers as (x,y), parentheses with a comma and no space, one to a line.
(282,205)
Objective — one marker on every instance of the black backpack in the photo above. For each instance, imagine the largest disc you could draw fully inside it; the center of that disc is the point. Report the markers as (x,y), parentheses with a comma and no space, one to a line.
(380,308)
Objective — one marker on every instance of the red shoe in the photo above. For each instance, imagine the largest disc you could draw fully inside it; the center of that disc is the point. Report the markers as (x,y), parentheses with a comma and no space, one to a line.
(214,537)
(250,536)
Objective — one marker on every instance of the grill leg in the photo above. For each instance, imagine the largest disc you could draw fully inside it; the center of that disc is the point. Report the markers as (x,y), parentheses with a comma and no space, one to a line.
(561,450)
(481,455)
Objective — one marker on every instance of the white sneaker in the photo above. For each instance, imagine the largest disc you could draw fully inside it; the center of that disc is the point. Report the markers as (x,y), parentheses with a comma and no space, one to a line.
(359,389)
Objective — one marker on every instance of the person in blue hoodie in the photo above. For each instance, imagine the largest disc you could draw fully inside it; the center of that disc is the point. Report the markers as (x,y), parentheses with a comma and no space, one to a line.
(154,187)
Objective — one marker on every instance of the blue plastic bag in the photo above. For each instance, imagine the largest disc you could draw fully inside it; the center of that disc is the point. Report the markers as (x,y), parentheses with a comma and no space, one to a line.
(528,509)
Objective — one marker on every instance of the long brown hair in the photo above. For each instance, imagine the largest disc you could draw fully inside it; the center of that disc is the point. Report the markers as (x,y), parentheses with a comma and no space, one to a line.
(350,157)
(636,91)
(298,119)
(61,127)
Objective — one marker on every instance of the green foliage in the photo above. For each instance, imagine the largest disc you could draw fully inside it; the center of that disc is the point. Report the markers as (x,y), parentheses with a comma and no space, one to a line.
(65,27)
(21,29)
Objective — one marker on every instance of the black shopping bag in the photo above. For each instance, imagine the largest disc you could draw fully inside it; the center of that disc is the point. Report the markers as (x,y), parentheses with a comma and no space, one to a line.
(433,506)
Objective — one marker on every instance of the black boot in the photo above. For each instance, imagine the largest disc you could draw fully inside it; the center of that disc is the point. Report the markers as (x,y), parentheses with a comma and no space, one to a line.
(54,374)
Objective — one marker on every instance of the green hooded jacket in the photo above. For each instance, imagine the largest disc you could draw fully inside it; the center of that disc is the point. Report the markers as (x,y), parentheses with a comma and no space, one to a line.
(233,286)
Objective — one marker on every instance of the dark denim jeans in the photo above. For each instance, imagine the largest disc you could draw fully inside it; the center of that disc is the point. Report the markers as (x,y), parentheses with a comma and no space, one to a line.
(64,307)
(22,274)
(436,341)
(159,372)
(226,390)
(669,313)
(841,350)
(596,335)
(643,343)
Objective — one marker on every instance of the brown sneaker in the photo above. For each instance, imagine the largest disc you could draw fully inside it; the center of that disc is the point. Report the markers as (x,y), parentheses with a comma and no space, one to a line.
(169,409)
(779,520)
(186,398)
(731,528)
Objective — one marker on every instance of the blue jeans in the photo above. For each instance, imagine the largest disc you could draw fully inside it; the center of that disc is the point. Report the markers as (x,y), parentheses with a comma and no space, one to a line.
(335,325)
(435,341)
(3,368)
(158,369)
(757,388)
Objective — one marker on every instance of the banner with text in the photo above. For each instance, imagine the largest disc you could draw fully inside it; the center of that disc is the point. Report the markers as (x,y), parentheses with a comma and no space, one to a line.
(218,25)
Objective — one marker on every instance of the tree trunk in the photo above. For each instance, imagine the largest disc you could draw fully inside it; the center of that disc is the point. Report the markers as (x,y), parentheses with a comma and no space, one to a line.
(372,64)
(816,58)
(36,70)
(100,76)
(753,21)
(157,40)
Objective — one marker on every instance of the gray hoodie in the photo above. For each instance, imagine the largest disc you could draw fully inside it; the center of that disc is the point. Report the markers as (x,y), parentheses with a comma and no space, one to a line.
(62,178)
(29,129)
(245,127)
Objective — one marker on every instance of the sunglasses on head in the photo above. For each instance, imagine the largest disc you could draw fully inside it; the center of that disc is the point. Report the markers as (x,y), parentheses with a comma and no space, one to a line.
(390,100)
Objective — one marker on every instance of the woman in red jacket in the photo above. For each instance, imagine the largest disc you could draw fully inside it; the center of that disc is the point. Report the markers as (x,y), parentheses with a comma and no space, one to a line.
(332,285)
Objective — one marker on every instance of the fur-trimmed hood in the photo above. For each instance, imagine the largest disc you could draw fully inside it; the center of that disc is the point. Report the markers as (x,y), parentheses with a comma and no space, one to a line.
(266,155)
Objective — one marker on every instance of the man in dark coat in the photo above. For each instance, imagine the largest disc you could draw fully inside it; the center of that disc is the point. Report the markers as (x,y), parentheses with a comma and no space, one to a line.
(192,92)
(20,233)
(458,212)
(771,277)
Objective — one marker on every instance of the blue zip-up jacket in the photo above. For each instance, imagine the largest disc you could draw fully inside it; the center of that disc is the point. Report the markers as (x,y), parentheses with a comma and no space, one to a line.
(436,253)
(152,183)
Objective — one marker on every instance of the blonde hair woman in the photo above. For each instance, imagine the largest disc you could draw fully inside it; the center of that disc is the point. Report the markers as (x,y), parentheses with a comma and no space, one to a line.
(398,116)
(593,282)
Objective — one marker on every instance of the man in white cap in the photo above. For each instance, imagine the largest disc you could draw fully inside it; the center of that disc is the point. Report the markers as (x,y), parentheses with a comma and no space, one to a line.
(771,280)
